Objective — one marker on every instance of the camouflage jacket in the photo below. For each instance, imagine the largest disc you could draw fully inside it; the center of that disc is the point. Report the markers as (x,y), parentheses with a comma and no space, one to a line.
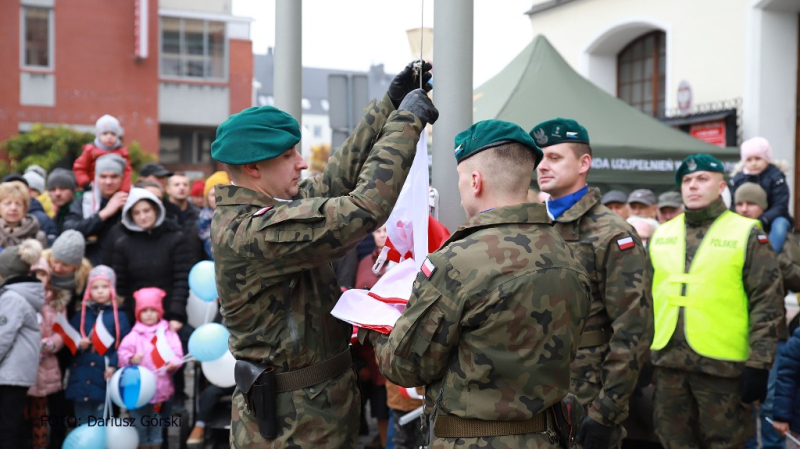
(762,282)
(621,302)
(273,268)
(789,261)
(497,322)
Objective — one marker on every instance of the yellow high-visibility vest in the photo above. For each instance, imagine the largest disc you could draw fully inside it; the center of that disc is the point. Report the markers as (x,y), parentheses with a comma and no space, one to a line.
(716,317)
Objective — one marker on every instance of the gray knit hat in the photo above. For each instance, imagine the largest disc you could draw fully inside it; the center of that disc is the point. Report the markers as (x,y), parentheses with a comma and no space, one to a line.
(69,247)
(61,177)
(110,163)
(35,180)
(17,260)
(752,193)
(107,123)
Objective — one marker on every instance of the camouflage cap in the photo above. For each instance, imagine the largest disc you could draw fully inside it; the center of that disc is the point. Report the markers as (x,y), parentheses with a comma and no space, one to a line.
(253,135)
(698,162)
(489,134)
(560,130)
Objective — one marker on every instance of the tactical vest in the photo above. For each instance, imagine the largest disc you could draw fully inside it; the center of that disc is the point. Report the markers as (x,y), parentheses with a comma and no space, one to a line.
(716,318)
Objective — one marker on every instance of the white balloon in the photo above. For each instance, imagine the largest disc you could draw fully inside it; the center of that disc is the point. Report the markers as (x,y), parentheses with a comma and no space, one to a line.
(121,437)
(199,312)
(220,372)
(147,386)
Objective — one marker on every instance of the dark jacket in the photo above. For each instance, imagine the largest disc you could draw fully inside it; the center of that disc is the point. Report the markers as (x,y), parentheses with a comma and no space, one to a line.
(46,224)
(93,228)
(773,181)
(86,382)
(786,407)
(158,257)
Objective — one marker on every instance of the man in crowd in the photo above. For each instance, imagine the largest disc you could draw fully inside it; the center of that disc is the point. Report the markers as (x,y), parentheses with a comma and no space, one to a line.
(670,205)
(495,315)
(274,239)
(617,202)
(155,172)
(61,186)
(178,189)
(96,227)
(642,203)
(644,227)
(708,363)
(619,326)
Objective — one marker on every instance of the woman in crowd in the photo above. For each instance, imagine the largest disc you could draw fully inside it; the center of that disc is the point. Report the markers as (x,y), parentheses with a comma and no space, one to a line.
(16,224)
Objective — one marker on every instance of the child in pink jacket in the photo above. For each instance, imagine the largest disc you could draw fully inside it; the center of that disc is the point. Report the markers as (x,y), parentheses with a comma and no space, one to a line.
(137,348)
(48,379)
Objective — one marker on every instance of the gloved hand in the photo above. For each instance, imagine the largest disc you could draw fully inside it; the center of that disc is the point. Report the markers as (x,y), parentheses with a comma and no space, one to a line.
(593,435)
(418,103)
(753,384)
(405,82)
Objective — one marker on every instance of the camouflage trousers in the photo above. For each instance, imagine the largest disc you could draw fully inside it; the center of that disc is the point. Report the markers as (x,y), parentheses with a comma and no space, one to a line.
(531,441)
(327,416)
(695,410)
(585,384)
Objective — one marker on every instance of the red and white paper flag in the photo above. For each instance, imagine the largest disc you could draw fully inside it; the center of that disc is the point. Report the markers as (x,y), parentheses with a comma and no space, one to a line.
(101,337)
(162,353)
(410,393)
(71,337)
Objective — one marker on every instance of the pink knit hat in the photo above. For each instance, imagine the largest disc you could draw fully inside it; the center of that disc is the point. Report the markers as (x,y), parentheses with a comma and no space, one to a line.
(149,298)
(41,265)
(758,147)
(105,273)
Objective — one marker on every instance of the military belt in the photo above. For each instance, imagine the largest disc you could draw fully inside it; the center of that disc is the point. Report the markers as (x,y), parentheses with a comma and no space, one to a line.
(595,338)
(449,426)
(314,374)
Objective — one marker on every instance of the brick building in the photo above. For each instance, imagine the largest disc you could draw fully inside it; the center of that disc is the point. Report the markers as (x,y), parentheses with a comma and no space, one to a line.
(170,70)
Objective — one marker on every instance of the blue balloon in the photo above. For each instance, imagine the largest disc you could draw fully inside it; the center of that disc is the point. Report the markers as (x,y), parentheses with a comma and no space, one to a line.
(85,437)
(202,281)
(209,342)
(129,385)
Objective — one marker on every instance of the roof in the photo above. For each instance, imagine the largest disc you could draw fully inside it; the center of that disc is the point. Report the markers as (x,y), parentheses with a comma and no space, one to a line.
(544,6)
(629,147)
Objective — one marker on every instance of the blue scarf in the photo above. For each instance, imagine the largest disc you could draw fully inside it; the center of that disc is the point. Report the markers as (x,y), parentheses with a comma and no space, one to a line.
(556,208)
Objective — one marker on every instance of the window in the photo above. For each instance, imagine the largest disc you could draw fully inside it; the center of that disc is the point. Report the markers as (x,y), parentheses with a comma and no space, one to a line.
(641,73)
(185,145)
(36,41)
(193,48)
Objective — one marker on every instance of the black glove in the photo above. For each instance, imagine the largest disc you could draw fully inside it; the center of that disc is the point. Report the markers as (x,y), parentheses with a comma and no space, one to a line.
(418,103)
(593,435)
(753,384)
(406,81)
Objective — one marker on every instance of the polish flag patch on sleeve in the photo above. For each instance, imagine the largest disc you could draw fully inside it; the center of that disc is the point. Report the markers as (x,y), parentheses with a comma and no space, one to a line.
(428,268)
(762,238)
(625,243)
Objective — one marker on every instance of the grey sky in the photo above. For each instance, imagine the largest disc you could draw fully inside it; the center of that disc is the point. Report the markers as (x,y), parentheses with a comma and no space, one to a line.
(352,34)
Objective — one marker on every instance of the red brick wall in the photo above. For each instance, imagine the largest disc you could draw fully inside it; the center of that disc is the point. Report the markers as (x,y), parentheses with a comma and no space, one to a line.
(95,70)
(241,74)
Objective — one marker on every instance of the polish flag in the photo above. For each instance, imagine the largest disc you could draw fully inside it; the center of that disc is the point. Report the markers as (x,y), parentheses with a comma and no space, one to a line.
(409,393)
(625,243)
(101,337)
(162,353)
(71,337)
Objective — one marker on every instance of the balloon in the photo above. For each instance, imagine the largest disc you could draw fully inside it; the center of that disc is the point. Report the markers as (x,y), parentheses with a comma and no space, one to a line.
(202,280)
(121,437)
(199,312)
(132,387)
(209,342)
(220,372)
(85,437)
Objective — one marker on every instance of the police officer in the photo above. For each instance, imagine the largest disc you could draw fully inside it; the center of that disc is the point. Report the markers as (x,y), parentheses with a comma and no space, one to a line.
(618,329)
(274,238)
(495,314)
(718,305)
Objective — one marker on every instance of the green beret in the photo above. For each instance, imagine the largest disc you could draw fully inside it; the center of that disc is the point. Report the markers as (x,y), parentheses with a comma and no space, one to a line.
(560,130)
(253,135)
(489,134)
(698,162)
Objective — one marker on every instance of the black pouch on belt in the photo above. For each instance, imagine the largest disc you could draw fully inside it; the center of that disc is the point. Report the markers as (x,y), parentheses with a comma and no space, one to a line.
(568,415)
(257,384)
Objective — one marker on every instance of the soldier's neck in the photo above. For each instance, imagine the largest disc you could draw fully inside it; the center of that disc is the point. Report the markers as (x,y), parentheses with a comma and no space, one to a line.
(707,214)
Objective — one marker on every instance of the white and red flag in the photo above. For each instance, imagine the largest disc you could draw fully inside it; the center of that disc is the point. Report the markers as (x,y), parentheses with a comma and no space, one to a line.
(162,353)
(71,337)
(101,337)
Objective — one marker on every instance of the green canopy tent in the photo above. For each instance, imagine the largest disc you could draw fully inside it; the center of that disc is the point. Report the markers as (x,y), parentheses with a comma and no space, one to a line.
(631,149)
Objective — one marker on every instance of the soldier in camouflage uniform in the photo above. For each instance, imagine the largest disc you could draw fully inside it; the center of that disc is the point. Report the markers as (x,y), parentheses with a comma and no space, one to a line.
(274,240)
(496,313)
(718,308)
(619,326)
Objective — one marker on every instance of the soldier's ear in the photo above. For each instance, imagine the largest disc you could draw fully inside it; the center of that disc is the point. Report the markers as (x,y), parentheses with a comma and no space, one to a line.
(252,170)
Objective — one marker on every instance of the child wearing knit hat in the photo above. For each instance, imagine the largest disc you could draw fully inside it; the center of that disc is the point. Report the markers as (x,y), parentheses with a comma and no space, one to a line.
(138,348)
(757,167)
(207,213)
(107,140)
(95,361)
